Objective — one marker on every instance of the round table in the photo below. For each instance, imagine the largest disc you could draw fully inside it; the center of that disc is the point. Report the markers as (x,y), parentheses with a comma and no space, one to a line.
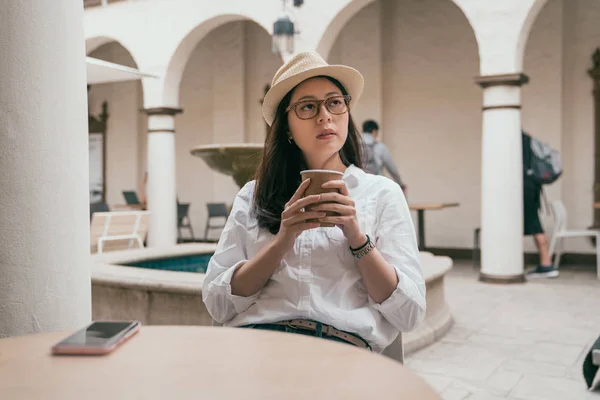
(164,362)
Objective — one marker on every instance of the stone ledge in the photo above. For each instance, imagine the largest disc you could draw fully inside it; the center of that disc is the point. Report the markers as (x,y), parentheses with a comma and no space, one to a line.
(107,269)
(430,331)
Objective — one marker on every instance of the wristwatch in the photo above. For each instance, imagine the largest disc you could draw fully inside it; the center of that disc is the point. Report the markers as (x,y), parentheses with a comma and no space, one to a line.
(363,250)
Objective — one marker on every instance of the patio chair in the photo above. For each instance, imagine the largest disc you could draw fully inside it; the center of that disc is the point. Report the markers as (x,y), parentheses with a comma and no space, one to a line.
(183,220)
(118,230)
(131,198)
(98,207)
(215,210)
(561,232)
(395,350)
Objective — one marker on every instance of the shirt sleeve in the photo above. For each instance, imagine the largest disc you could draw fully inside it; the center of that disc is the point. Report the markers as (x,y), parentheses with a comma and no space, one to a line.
(230,254)
(396,241)
(388,163)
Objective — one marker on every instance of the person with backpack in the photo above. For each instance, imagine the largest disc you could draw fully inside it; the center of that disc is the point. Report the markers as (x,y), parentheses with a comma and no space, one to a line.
(539,167)
(377,156)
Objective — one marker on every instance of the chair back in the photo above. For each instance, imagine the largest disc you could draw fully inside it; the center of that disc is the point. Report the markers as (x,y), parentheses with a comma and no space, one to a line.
(395,350)
(217,210)
(182,210)
(118,223)
(559,213)
(98,207)
(131,197)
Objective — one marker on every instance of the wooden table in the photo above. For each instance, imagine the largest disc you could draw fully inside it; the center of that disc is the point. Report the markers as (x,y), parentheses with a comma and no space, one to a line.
(421,208)
(163,362)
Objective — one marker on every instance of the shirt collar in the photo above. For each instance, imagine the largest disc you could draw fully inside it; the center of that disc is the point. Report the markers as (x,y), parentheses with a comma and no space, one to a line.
(352,176)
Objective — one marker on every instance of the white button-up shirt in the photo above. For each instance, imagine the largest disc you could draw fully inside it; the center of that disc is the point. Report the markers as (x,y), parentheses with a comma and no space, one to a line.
(319,278)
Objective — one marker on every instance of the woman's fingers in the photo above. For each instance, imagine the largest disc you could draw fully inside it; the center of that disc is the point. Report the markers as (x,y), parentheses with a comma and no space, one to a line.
(338,198)
(344,220)
(336,207)
(299,192)
(298,205)
(302,217)
(337,184)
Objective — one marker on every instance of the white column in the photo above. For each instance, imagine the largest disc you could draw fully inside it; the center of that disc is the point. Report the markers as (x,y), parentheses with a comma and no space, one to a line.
(162,188)
(44,200)
(502,180)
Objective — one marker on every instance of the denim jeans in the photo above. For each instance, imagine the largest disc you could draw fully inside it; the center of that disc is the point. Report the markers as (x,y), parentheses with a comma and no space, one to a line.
(298,331)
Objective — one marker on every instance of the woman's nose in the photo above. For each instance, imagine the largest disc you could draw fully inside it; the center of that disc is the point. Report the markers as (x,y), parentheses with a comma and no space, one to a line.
(324,114)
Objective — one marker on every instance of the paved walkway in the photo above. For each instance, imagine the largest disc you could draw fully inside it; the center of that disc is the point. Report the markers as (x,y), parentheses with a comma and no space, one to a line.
(523,342)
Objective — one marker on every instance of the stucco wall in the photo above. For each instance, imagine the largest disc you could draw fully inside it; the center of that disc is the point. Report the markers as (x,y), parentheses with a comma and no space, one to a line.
(125,136)
(359,45)
(558,103)
(582,37)
(221,89)
(419,59)
(543,64)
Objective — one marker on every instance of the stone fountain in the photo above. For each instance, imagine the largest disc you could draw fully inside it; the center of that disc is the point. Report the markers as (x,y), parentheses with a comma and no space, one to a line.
(236,160)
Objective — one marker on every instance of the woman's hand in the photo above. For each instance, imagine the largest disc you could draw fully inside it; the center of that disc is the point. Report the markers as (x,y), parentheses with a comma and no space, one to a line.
(294,219)
(344,206)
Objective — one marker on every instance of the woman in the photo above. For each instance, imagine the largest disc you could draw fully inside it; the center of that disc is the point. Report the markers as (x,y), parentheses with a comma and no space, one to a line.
(358,282)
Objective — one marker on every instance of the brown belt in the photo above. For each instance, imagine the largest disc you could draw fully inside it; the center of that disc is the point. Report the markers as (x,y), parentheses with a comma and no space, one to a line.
(327,330)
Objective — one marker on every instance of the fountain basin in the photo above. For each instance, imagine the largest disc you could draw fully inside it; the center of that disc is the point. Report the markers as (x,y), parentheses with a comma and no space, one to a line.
(238,160)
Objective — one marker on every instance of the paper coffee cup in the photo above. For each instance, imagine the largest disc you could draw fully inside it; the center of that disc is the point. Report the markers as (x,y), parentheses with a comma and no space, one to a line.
(317,178)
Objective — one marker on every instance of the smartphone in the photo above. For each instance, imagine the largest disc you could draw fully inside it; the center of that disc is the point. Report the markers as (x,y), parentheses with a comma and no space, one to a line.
(100,337)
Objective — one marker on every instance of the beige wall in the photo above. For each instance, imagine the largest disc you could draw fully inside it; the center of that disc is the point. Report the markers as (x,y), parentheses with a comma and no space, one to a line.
(359,45)
(419,59)
(582,28)
(558,103)
(261,65)
(220,92)
(543,64)
(126,137)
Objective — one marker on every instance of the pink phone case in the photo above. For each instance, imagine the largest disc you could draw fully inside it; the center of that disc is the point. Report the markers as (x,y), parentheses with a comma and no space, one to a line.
(66,349)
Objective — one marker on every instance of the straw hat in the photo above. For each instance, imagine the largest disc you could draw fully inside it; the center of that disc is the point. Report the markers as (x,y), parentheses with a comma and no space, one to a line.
(301,67)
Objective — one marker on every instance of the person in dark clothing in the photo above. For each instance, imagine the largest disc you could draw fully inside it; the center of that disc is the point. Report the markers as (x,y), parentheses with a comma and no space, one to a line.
(531,219)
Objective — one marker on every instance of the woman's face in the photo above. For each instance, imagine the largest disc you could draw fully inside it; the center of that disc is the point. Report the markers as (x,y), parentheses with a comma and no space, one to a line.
(320,137)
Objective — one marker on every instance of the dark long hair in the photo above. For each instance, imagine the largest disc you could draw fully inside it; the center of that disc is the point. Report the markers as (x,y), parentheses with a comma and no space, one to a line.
(278,174)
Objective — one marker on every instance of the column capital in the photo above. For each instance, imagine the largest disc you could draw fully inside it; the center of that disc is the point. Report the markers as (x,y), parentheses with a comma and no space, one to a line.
(518,79)
(162,111)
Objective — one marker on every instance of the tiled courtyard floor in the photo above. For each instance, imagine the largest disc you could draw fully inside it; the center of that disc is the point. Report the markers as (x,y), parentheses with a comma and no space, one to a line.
(523,342)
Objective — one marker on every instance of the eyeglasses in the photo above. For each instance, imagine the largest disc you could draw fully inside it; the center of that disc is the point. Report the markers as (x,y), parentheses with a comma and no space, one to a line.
(307,109)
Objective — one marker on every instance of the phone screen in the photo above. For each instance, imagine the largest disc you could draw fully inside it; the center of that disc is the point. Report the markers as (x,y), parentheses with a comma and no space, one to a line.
(97,334)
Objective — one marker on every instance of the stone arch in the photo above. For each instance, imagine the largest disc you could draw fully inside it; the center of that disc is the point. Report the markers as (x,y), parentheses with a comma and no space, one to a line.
(186,46)
(534,11)
(94,43)
(344,15)
(337,23)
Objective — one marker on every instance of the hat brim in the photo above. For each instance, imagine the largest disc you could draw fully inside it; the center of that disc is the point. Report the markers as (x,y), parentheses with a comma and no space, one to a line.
(351,79)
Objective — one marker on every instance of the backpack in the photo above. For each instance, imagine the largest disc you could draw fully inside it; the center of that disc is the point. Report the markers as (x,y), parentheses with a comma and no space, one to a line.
(371,165)
(545,165)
